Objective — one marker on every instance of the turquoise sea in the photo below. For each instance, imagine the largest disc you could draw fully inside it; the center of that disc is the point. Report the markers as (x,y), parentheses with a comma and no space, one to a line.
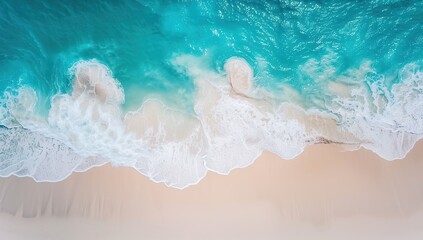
(177,88)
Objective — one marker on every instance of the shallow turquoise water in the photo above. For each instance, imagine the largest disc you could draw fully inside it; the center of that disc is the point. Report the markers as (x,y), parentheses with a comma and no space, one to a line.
(299,44)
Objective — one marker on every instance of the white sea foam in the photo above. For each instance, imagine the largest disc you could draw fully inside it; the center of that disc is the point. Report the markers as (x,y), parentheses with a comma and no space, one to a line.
(176,143)
(27,153)
(238,127)
(232,123)
(17,107)
(388,122)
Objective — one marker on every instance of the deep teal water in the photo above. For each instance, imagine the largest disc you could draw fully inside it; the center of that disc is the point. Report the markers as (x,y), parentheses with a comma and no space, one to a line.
(40,40)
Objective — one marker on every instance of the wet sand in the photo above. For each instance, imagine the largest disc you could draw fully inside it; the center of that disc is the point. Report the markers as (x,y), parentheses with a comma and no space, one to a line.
(325,193)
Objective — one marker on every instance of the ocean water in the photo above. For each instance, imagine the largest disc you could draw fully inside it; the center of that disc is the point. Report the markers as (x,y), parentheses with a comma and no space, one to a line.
(177,88)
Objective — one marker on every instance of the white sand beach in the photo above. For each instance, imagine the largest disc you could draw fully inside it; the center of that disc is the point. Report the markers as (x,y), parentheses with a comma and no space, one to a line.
(325,193)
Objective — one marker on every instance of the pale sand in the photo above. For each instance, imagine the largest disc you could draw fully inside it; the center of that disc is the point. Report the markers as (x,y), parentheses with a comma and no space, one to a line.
(322,194)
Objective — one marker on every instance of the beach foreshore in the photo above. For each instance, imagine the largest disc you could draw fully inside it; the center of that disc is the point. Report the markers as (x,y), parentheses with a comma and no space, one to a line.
(324,193)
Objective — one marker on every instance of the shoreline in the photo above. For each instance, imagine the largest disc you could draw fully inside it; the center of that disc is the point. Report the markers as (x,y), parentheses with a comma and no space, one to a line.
(234,122)
(342,147)
(323,191)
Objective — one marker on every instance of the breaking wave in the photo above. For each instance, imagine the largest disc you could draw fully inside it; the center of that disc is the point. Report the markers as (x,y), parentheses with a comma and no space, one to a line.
(233,121)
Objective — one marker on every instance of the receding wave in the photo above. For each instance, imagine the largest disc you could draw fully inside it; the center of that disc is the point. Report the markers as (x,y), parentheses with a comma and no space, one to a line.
(232,122)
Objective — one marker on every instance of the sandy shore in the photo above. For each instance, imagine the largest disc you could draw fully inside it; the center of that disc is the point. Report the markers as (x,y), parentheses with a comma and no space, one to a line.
(324,193)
